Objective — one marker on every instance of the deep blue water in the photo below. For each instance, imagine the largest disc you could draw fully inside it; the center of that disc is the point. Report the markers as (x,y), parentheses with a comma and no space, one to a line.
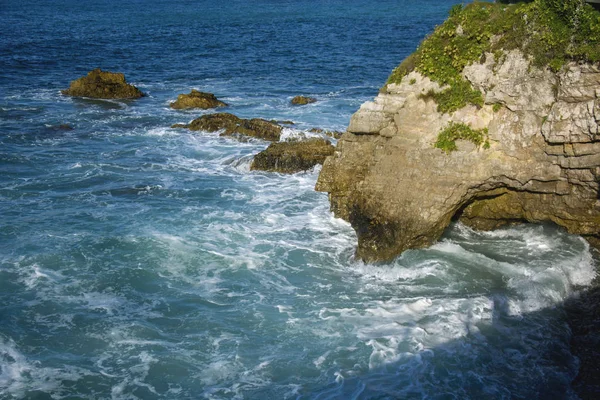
(143,262)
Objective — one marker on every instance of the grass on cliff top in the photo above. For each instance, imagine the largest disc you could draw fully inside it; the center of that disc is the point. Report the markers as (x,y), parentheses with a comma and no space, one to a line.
(551,32)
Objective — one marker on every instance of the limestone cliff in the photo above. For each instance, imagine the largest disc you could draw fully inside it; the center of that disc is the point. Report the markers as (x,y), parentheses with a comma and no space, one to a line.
(540,161)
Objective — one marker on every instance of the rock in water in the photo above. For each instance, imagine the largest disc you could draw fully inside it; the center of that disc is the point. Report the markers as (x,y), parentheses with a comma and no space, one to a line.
(290,157)
(196,99)
(230,125)
(303,100)
(529,151)
(103,85)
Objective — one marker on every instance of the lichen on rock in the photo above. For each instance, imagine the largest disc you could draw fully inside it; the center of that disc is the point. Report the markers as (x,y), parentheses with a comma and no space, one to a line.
(197,99)
(540,116)
(293,156)
(103,85)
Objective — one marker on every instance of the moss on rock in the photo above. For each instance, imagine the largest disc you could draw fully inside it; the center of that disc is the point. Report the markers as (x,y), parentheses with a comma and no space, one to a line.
(550,32)
(447,138)
(197,99)
(103,85)
(303,100)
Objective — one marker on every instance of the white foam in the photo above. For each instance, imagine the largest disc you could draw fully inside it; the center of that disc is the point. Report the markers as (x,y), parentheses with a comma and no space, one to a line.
(136,377)
(292,134)
(395,273)
(102,301)
(18,375)
(161,131)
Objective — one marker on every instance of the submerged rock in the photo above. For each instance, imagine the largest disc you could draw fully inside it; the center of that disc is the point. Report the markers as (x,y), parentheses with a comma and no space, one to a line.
(197,99)
(283,122)
(103,85)
(529,153)
(303,100)
(179,126)
(230,125)
(295,156)
(61,127)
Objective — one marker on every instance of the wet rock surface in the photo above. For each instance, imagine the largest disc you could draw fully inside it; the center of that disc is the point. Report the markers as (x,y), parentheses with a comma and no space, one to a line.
(231,125)
(293,156)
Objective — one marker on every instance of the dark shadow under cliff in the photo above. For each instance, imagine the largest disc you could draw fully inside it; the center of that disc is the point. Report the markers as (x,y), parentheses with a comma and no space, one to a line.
(490,366)
(583,316)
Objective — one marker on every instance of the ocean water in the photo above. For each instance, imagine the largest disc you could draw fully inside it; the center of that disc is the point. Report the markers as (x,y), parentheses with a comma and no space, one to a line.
(143,262)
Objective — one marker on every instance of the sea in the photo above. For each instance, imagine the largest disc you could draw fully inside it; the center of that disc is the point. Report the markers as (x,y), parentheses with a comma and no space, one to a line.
(143,262)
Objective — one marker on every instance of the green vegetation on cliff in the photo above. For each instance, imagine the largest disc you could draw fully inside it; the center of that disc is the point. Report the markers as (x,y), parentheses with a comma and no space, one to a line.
(447,138)
(551,32)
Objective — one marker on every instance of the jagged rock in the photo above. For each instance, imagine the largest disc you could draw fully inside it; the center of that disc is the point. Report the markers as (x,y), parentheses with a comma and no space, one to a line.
(103,85)
(398,191)
(196,99)
(303,100)
(230,125)
(294,156)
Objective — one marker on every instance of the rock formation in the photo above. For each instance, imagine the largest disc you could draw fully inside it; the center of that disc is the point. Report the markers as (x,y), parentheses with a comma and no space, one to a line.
(292,156)
(196,99)
(230,125)
(536,157)
(303,100)
(103,85)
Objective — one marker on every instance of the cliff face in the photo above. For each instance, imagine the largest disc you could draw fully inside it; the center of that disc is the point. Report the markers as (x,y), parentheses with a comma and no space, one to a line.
(540,161)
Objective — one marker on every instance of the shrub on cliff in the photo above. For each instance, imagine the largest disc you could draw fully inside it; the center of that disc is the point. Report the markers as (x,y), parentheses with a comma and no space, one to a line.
(447,138)
(550,32)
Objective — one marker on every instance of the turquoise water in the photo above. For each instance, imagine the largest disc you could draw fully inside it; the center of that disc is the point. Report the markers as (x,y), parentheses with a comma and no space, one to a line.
(142,262)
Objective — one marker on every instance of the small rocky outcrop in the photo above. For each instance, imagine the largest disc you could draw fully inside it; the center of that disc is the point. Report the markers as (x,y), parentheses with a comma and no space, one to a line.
(303,100)
(100,84)
(197,99)
(293,156)
(231,125)
(525,147)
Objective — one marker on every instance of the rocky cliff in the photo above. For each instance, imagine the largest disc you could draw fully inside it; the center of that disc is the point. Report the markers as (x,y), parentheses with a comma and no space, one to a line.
(519,142)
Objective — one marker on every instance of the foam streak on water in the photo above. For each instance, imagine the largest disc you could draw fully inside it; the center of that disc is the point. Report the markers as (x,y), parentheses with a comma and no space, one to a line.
(143,262)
